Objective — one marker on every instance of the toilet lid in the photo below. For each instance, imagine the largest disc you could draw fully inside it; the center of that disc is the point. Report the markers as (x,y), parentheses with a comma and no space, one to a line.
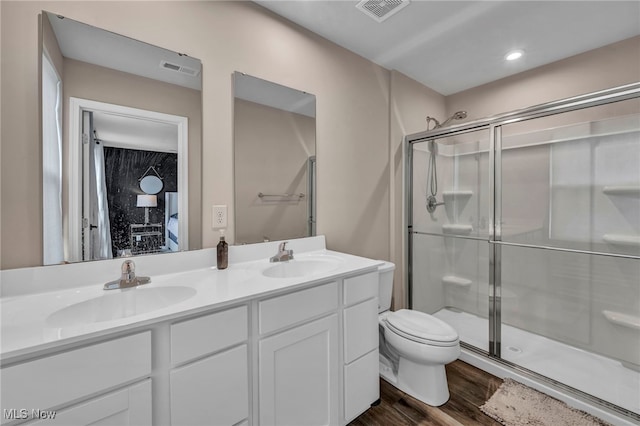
(422,327)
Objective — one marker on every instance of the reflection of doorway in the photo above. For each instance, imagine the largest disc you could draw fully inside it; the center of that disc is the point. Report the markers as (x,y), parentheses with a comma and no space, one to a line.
(126,130)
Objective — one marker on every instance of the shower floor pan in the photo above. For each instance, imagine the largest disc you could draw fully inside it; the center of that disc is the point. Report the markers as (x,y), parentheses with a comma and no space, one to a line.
(594,374)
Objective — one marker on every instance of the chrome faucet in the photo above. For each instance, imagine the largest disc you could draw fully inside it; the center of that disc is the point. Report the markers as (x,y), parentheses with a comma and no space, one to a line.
(283,254)
(128,278)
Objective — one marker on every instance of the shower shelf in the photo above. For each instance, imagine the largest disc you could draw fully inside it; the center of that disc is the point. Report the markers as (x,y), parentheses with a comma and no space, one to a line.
(622,240)
(629,191)
(457,229)
(456,281)
(625,320)
(452,195)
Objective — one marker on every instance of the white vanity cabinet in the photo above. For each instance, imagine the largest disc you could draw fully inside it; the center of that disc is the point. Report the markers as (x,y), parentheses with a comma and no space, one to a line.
(260,352)
(299,366)
(82,382)
(318,353)
(211,383)
(360,344)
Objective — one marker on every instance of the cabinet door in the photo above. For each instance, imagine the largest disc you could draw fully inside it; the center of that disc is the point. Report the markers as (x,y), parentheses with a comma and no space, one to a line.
(212,391)
(361,385)
(129,406)
(299,375)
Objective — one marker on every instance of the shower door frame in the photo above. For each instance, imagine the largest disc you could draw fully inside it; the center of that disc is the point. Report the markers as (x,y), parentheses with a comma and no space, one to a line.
(494,125)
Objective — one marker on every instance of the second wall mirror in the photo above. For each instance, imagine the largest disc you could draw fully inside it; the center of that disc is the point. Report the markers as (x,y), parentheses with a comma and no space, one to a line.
(274,161)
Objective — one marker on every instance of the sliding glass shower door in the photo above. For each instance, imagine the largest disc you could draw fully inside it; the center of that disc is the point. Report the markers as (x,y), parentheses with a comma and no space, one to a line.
(570,241)
(524,235)
(450,230)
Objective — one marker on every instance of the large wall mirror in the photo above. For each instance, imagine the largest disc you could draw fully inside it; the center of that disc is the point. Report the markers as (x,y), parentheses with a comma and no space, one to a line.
(274,161)
(119,119)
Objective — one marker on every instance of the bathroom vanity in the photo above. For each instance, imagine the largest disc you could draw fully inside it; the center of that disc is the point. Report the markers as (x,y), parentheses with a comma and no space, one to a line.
(257,344)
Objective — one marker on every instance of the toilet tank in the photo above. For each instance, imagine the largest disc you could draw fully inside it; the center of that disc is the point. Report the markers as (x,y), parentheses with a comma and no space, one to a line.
(385,286)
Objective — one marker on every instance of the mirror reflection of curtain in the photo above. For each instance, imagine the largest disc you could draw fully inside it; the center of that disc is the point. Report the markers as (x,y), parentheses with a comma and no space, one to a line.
(53,247)
(101,236)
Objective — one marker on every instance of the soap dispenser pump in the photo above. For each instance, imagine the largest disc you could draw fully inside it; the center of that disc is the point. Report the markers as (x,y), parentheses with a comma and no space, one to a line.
(222,250)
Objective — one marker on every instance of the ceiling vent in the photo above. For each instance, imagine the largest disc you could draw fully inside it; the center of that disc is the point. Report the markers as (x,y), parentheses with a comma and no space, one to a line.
(178,68)
(380,10)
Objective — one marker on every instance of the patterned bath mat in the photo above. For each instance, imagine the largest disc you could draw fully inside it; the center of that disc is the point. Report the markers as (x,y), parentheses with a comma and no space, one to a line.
(515,404)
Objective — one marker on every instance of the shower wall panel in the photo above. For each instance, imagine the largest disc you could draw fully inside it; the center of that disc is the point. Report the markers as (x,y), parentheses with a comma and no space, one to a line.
(462,174)
(574,187)
(429,265)
(547,293)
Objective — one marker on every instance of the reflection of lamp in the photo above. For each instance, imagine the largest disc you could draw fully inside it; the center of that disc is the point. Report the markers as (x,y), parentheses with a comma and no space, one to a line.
(146,201)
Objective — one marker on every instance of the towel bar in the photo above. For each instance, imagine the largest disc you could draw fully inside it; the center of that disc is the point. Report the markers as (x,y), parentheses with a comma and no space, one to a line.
(300,195)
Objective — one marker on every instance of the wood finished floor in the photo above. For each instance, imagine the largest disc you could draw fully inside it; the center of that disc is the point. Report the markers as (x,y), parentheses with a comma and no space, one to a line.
(469,387)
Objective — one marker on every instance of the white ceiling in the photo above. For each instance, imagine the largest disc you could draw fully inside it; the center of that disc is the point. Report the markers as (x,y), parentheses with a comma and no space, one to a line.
(451,46)
(93,45)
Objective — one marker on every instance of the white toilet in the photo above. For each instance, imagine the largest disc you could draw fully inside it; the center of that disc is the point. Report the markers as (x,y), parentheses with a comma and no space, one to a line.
(414,347)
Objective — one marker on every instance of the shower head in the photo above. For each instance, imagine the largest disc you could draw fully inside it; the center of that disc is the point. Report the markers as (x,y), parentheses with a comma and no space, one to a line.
(460,115)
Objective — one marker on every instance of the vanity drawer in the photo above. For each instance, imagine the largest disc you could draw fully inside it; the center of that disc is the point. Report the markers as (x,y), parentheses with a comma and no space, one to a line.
(207,334)
(361,287)
(360,329)
(58,379)
(292,308)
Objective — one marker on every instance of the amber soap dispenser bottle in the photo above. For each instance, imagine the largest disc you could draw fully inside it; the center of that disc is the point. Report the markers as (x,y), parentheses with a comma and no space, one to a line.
(222,250)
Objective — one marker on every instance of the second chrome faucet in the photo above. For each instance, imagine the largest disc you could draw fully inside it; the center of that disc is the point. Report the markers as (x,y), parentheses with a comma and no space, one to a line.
(283,254)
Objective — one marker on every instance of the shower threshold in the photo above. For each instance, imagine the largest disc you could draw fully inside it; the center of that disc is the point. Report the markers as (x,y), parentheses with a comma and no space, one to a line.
(594,374)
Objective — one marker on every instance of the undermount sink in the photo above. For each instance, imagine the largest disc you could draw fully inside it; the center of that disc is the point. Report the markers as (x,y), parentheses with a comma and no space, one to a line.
(302,267)
(121,304)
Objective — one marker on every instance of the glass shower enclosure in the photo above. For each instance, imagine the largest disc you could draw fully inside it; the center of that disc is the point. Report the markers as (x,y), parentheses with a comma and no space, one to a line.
(530,246)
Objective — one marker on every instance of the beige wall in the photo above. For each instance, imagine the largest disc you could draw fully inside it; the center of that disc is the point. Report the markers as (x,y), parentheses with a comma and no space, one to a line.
(352,112)
(608,66)
(88,81)
(271,152)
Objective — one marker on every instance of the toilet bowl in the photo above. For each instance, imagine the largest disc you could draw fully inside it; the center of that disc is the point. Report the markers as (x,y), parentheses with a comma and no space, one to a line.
(414,347)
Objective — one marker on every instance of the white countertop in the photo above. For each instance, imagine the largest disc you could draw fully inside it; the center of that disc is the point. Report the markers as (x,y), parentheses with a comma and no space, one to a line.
(26,326)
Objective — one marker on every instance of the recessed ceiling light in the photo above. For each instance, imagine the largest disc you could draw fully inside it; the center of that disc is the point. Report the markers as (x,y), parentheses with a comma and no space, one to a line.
(513,55)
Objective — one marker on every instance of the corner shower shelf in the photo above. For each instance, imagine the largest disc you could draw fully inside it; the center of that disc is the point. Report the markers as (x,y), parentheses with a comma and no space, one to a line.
(452,195)
(456,281)
(625,320)
(628,191)
(622,240)
(457,229)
